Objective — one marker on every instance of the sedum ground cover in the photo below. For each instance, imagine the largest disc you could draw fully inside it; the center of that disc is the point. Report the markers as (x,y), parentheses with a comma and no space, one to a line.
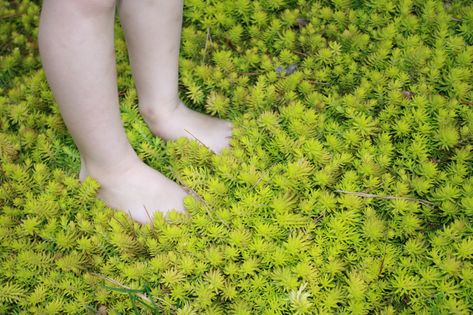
(348,188)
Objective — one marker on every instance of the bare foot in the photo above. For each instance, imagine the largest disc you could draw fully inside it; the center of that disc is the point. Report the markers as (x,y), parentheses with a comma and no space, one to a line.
(139,190)
(181,121)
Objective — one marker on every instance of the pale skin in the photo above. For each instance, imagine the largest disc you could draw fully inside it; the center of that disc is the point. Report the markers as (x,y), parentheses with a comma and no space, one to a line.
(76,42)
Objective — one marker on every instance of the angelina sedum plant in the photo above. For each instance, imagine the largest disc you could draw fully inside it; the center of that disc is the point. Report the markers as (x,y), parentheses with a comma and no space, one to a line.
(348,187)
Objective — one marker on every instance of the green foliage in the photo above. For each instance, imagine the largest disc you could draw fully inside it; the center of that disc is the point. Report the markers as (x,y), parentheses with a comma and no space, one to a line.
(348,187)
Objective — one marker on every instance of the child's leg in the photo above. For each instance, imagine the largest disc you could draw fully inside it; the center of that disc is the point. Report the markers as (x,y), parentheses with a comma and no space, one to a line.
(152,30)
(77,51)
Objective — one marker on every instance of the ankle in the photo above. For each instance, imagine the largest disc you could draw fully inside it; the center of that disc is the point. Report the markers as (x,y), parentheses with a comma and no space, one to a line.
(103,172)
(159,109)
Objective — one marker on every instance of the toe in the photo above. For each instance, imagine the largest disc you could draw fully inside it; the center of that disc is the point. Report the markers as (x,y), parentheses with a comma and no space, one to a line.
(229,135)
(229,130)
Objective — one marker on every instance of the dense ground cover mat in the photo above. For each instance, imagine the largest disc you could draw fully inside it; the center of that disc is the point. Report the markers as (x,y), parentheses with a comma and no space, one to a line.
(348,188)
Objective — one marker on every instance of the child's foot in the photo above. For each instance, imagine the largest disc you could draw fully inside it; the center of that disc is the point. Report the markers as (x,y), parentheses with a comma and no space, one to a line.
(181,121)
(139,190)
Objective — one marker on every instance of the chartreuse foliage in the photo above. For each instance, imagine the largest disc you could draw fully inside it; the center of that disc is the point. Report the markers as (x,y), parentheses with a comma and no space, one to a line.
(349,187)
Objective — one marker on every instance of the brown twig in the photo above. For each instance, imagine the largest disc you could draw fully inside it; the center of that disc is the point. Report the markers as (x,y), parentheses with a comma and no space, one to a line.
(196,195)
(319,218)
(300,53)
(115,282)
(207,40)
(186,187)
(10,16)
(123,226)
(317,82)
(361,194)
(150,220)
(261,177)
(250,73)
(197,139)
(381,267)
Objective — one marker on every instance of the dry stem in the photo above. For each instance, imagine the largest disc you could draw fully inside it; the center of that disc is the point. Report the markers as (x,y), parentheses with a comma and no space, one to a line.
(362,194)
